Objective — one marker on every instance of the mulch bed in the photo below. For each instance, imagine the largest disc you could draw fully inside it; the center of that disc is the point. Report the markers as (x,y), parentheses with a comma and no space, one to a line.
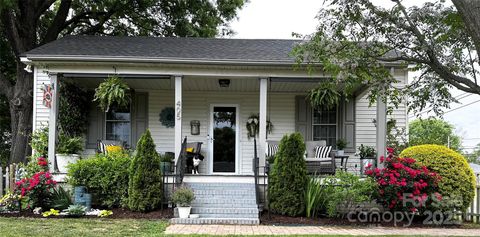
(280,220)
(118,213)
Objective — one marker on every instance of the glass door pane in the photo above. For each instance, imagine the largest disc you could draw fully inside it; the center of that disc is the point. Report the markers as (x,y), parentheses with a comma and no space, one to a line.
(224,135)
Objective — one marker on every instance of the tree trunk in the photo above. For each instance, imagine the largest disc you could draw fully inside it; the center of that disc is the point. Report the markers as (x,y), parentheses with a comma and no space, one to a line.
(470,12)
(21,112)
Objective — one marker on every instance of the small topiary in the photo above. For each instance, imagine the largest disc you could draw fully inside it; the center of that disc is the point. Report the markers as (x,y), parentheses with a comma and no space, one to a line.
(145,190)
(288,179)
(457,179)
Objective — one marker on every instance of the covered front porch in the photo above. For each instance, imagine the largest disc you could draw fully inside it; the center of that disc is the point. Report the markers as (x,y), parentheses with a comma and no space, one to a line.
(215,99)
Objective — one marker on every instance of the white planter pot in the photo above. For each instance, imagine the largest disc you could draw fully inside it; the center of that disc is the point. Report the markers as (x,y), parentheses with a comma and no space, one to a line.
(184,212)
(63,160)
(340,152)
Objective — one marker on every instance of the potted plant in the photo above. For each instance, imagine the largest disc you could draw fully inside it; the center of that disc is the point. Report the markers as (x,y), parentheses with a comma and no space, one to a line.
(341,144)
(366,152)
(183,198)
(166,163)
(367,156)
(67,151)
(112,91)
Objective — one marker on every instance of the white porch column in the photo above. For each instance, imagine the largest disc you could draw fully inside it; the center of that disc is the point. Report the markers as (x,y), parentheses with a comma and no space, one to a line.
(382,127)
(262,134)
(52,121)
(178,115)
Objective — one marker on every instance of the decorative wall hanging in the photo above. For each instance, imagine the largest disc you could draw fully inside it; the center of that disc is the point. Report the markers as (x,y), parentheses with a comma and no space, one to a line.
(253,125)
(167,117)
(47,95)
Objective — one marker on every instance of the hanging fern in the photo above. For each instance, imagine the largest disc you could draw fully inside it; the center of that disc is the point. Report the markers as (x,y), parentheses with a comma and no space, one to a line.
(324,95)
(112,91)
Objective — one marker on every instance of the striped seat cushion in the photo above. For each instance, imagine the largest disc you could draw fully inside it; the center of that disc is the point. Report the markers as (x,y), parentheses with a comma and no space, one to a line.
(271,150)
(322,151)
(106,146)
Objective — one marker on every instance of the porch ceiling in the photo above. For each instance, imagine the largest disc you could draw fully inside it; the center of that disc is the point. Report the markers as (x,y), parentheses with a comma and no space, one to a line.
(202,84)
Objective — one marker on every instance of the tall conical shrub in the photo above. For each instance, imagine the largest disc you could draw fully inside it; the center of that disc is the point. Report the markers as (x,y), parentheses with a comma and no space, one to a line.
(145,190)
(288,180)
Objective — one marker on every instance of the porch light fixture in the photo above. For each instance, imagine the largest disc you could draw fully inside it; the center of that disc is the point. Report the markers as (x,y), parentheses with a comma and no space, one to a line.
(224,82)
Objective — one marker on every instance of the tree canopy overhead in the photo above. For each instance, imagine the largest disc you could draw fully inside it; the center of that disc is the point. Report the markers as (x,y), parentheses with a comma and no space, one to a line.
(433,131)
(26,24)
(356,40)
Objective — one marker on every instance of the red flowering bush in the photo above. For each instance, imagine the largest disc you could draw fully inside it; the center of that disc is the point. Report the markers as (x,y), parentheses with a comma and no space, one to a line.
(37,190)
(42,162)
(402,186)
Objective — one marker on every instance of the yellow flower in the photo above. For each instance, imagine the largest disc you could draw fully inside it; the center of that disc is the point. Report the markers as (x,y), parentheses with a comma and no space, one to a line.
(52,212)
(105,213)
(113,148)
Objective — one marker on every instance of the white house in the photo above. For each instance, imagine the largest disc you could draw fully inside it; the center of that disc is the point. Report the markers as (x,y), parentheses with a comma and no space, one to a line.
(203,79)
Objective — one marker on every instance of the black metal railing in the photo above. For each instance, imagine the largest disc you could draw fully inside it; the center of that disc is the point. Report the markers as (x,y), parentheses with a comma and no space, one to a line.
(172,180)
(261,176)
(181,163)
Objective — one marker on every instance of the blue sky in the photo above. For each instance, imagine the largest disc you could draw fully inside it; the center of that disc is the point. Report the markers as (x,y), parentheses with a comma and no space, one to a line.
(277,19)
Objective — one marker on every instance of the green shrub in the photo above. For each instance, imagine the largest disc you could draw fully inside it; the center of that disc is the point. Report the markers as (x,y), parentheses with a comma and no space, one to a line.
(314,196)
(39,142)
(61,199)
(73,109)
(76,210)
(344,191)
(145,189)
(105,176)
(288,179)
(457,178)
(183,197)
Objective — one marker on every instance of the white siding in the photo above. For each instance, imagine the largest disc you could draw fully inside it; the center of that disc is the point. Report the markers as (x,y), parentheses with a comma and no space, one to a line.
(196,106)
(365,129)
(41,113)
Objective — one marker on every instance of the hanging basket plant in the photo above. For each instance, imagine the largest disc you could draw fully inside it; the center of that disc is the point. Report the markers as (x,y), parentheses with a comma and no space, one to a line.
(253,125)
(324,95)
(113,91)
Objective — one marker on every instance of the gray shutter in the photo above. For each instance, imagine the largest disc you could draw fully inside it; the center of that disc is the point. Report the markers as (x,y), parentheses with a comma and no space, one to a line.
(348,127)
(139,116)
(96,125)
(303,117)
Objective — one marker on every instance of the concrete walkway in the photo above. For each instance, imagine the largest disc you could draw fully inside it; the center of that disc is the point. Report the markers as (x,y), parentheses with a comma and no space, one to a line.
(314,230)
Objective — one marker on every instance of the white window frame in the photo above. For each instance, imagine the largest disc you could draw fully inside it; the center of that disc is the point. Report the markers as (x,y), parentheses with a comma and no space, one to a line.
(326,124)
(106,120)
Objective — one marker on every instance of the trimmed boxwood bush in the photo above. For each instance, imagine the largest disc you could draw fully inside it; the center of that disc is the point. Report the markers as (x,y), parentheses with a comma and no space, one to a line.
(288,179)
(145,185)
(457,179)
(105,176)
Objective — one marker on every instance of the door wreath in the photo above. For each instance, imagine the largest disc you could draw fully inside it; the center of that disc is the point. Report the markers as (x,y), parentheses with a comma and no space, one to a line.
(167,117)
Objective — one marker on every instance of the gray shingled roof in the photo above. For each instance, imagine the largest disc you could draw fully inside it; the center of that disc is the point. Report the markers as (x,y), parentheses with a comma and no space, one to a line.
(247,50)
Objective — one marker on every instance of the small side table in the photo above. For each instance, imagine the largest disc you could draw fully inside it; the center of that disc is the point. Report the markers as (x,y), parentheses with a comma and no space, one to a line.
(342,163)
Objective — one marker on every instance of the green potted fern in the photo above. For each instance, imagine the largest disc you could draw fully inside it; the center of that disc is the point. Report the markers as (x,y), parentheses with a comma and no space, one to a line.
(68,150)
(113,91)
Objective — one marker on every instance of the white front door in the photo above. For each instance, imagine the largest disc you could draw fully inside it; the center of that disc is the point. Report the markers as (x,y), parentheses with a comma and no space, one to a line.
(223,142)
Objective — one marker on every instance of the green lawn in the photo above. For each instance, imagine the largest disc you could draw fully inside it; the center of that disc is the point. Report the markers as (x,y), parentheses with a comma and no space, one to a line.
(84,227)
(80,227)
